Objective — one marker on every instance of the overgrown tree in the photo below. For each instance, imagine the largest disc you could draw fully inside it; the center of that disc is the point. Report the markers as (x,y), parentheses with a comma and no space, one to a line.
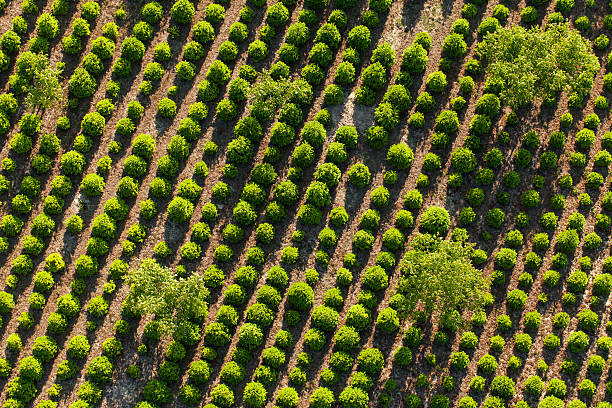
(44,90)
(173,301)
(536,62)
(438,276)
(268,95)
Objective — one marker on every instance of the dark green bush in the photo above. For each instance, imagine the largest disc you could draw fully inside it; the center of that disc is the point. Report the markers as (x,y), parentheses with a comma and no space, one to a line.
(435,220)
(277,15)
(374,76)
(300,296)
(359,38)
(359,175)
(454,46)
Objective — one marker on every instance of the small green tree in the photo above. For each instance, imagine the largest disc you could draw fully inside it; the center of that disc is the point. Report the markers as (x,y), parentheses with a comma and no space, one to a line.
(529,63)
(438,275)
(174,302)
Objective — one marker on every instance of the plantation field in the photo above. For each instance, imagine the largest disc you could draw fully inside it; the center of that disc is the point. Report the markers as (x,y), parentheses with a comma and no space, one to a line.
(318,203)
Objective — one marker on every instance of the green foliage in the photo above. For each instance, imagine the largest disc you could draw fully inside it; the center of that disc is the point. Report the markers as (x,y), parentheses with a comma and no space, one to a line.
(359,175)
(322,397)
(156,392)
(547,62)
(156,290)
(254,395)
(454,46)
(425,271)
(374,76)
(435,220)
(300,296)
(359,38)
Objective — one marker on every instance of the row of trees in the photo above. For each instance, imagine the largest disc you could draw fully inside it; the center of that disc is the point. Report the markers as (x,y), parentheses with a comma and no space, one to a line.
(437,274)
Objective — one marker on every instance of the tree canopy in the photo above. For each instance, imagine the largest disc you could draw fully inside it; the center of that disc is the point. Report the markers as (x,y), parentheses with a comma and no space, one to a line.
(536,62)
(268,94)
(156,290)
(45,90)
(438,275)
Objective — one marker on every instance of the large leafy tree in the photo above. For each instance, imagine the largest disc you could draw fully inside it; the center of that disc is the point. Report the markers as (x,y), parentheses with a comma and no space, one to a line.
(439,278)
(46,90)
(536,62)
(173,301)
(269,94)
(42,82)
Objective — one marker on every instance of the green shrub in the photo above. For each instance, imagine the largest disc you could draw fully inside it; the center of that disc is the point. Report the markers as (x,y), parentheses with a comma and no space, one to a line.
(495,218)
(363,240)
(488,25)
(218,73)
(463,160)
(238,32)
(250,336)
(384,54)
(374,76)
(183,10)
(376,136)
(594,180)
(487,364)
(92,185)
(198,111)
(199,372)
(44,348)
(318,194)
(90,11)
(588,320)
(454,46)
(436,81)
(596,364)
(365,95)
(400,156)
(567,241)
(314,133)
(375,279)
(370,361)
(503,387)
(359,175)
(227,110)
(516,299)
(156,392)
(254,395)
(435,220)
(602,284)
(322,397)
(151,12)
(388,320)
(167,108)
(414,59)
(585,138)
(380,6)
(359,38)
(30,369)
(180,210)
(300,296)
(386,116)
(232,373)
